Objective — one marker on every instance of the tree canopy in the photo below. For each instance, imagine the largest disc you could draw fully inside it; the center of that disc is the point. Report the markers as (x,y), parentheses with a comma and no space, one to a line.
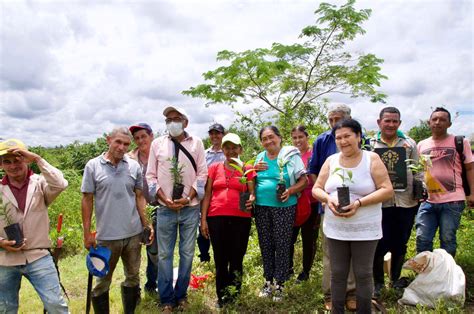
(285,77)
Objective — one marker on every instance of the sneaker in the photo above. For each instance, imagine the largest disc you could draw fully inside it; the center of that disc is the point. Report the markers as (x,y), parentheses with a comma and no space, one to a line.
(401,283)
(327,304)
(303,276)
(266,291)
(278,293)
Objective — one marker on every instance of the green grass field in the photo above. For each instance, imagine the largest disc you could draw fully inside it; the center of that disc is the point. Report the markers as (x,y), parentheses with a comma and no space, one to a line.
(299,298)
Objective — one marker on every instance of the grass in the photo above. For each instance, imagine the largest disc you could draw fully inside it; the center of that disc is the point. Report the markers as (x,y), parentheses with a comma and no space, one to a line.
(299,298)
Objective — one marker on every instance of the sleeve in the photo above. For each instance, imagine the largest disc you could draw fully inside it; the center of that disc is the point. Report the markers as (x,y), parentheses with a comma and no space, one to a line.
(55,182)
(212,171)
(88,182)
(201,176)
(152,169)
(467,152)
(313,160)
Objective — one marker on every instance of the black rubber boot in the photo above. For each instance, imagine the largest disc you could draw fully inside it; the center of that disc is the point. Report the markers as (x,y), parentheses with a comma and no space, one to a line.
(130,297)
(396,267)
(100,303)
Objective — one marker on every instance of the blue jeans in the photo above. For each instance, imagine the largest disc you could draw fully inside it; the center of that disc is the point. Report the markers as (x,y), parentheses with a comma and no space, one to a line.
(43,277)
(447,217)
(168,223)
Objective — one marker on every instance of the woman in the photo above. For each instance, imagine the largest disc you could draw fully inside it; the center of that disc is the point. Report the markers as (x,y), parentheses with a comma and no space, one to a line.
(309,229)
(223,222)
(354,233)
(274,217)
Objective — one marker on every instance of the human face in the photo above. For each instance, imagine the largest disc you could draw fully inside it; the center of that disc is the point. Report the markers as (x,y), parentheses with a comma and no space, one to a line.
(142,139)
(175,116)
(347,141)
(270,141)
(439,123)
(300,140)
(216,138)
(335,117)
(15,167)
(231,151)
(118,146)
(389,125)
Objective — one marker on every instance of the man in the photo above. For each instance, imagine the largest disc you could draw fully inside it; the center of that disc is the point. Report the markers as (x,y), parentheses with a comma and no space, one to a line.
(213,154)
(25,198)
(143,136)
(398,214)
(176,152)
(112,184)
(443,180)
(323,147)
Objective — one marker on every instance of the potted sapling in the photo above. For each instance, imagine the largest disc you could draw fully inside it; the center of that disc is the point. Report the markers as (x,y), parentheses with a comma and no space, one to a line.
(281,185)
(343,193)
(12,229)
(176,171)
(244,169)
(418,167)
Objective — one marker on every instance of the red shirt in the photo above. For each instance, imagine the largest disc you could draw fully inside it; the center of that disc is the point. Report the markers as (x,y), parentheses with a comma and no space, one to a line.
(19,193)
(305,157)
(225,191)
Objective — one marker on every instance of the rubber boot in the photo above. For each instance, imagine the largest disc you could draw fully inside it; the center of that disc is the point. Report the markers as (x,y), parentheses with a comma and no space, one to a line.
(396,267)
(130,297)
(100,303)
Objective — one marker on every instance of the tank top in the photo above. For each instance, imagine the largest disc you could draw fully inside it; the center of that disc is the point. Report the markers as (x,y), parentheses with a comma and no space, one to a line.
(366,224)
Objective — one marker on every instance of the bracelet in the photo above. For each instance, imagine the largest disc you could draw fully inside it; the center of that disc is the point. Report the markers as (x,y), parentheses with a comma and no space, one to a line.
(360,203)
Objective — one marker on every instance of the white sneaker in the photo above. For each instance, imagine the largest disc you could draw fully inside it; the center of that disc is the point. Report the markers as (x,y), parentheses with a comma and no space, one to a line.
(278,293)
(266,291)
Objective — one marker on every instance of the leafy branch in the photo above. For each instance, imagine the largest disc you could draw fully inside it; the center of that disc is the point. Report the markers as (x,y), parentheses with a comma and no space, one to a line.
(345,175)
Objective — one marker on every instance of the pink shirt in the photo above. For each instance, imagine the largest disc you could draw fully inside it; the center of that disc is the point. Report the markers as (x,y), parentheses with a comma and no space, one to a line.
(443,179)
(158,173)
(225,191)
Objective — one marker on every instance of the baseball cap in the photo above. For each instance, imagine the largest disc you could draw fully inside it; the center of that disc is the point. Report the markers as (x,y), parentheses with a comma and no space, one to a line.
(178,110)
(9,144)
(140,126)
(217,127)
(97,261)
(232,138)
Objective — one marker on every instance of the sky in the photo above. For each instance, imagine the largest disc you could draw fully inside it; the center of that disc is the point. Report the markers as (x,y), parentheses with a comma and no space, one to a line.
(73,70)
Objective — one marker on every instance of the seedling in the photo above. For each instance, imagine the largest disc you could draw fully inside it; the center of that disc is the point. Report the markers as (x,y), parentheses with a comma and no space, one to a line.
(176,171)
(240,166)
(420,165)
(343,194)
(345,175)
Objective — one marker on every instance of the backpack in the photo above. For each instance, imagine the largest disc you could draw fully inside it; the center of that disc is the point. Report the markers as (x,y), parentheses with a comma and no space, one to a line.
(458,141)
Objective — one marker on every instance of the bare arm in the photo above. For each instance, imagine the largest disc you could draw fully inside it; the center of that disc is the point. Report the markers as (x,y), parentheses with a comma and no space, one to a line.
(205,207)
(295,188)
(470,180)
(87,207)
(318,189)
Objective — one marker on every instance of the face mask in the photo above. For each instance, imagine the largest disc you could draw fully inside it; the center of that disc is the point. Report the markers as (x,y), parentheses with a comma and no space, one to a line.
(175,128)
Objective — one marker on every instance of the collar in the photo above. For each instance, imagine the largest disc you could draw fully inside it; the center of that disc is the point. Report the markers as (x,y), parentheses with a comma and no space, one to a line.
(210,150)
(6,181)
(400,134)
(103,160)
(187,136)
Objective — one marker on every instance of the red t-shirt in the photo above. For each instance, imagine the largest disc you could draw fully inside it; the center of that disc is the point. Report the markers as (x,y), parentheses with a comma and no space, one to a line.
(225,191)
(305,157)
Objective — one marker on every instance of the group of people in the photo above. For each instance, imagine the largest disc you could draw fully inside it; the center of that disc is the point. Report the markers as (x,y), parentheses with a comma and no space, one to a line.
(213,191)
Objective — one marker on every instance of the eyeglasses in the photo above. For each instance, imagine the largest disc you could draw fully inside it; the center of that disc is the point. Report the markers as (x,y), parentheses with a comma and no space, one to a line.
(177,119)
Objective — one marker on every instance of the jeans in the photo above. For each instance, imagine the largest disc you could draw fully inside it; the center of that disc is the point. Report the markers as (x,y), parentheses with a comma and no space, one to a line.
(447,217)
(152,261)
(169,224)
(43,277)
(129,250)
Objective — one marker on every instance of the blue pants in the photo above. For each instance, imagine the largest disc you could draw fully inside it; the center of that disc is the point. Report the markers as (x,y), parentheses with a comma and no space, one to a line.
(43,277)
(447,217)
(169,224)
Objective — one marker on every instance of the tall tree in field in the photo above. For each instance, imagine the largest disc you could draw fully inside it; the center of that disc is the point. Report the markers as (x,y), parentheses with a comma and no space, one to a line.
(294,81)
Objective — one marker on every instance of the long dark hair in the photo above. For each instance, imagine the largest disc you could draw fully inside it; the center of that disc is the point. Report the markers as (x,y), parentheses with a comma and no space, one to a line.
(352,124)
(273,128)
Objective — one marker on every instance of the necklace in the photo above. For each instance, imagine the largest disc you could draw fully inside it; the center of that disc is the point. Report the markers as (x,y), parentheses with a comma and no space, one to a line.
(227,178)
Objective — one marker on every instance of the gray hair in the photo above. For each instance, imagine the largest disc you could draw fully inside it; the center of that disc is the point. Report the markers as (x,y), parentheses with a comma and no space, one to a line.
(120,130)
(340,108)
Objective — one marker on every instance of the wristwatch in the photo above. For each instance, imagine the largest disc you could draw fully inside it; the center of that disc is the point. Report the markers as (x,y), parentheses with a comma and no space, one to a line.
(189,200)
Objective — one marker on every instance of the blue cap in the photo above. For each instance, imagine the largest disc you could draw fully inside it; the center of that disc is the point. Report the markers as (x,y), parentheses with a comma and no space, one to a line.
(97,261)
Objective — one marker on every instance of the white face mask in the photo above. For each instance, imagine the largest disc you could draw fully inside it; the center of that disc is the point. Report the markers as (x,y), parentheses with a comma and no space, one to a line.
(175,128)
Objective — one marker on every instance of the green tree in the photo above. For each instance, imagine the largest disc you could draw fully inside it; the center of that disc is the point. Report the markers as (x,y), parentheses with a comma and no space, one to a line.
(420,132)
(284,78)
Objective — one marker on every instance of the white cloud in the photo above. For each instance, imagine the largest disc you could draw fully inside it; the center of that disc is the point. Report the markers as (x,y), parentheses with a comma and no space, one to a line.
(73,70)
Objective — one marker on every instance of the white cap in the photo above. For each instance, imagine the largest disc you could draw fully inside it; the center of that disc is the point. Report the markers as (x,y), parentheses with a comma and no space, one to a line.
(178,110)
(231,137)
